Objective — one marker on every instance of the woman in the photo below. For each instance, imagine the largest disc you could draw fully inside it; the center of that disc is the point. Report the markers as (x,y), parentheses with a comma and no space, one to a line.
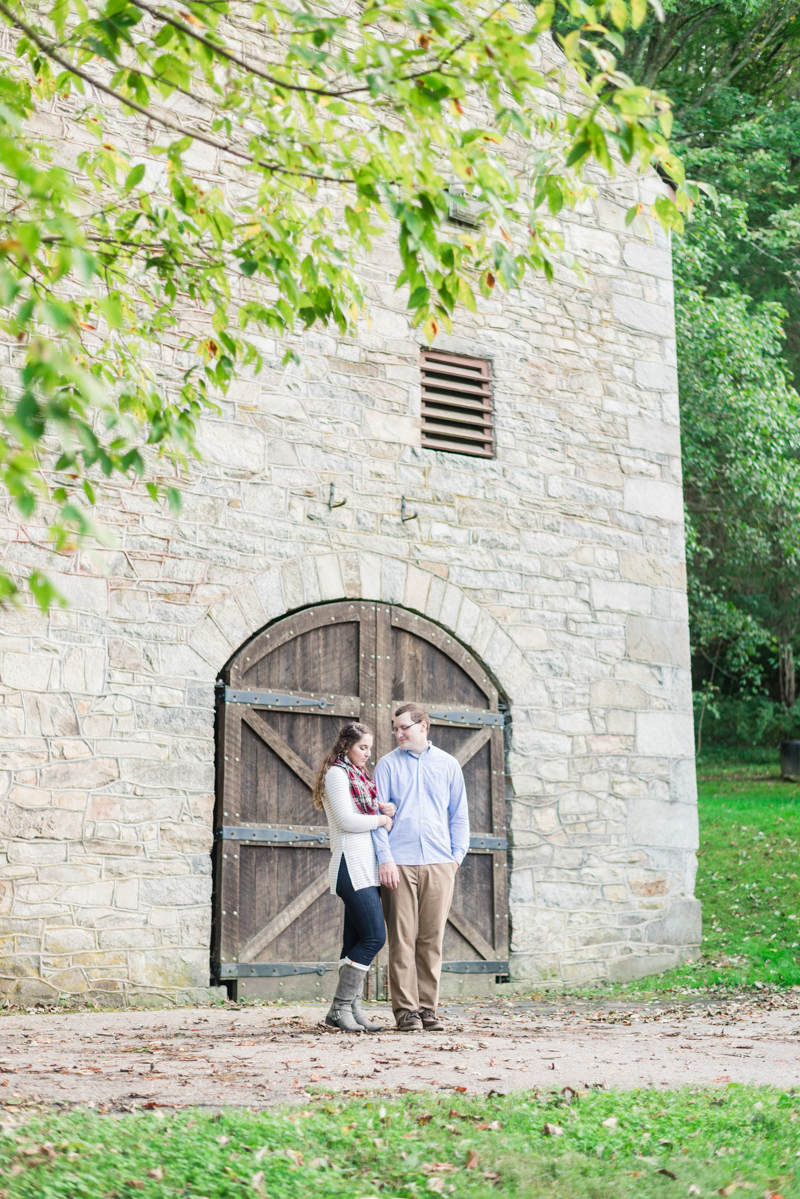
(350,801)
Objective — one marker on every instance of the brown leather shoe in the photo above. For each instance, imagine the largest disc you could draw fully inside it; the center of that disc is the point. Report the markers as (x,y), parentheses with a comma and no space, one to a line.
(429,1020)
(409,1022)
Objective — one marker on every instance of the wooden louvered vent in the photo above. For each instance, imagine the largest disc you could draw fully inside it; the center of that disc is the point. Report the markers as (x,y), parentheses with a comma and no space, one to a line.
(456,404)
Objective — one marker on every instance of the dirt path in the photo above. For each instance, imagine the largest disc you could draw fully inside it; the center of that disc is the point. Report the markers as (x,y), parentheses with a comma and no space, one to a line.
(257,1057)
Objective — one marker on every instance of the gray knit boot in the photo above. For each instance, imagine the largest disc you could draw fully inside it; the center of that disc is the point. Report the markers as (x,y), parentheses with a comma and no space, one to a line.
(358,1013)
(351,980)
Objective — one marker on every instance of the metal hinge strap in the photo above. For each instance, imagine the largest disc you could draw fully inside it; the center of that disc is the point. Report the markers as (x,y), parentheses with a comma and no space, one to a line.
(275,699)
(269,835)
(475,967)
(286,836)
(470,719)
(268,969)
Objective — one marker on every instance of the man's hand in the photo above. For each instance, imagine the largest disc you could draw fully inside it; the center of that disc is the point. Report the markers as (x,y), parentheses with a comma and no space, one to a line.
(389,875)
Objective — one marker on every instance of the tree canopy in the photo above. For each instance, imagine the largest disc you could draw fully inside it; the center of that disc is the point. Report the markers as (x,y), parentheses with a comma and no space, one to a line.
(731,69)
(330,124)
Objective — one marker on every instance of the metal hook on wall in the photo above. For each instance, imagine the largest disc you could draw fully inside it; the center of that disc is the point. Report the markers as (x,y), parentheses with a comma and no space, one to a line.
(403,514)
(331,504)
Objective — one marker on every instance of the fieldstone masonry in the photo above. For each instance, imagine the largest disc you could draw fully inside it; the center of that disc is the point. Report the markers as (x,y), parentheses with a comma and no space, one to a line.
(560,564)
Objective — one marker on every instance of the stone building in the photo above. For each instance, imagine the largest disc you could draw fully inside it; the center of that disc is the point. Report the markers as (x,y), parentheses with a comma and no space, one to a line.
(556,561)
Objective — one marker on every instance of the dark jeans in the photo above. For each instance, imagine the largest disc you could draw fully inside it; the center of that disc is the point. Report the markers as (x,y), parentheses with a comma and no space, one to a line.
(364,929)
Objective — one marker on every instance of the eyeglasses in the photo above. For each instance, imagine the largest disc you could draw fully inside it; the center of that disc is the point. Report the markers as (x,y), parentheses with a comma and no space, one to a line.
(403,728)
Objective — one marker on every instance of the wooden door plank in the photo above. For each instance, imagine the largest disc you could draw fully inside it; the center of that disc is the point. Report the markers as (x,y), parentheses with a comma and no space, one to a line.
(384,739)
(470,932)
(367,666)
(471,747)
(286,630)
(500,872)
(420,627)
(281,747)
(287,916)
(228,891)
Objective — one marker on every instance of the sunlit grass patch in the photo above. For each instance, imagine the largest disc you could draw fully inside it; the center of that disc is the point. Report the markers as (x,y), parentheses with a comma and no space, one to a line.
(600,1144)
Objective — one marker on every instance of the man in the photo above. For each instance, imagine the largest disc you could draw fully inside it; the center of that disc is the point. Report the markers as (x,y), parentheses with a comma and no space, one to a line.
(417,863)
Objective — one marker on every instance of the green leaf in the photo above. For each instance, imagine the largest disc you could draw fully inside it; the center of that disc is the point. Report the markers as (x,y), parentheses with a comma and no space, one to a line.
(134,177)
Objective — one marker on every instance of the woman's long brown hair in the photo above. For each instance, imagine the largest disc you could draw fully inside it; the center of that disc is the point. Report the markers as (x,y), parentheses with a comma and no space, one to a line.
(348,736)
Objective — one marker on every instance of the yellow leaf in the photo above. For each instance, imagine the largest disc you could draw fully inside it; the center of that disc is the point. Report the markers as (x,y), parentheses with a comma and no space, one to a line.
(619,13)
(430,329)
(638,12)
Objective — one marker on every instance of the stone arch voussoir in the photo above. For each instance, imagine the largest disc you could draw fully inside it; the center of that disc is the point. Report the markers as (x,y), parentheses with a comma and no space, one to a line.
(242,611)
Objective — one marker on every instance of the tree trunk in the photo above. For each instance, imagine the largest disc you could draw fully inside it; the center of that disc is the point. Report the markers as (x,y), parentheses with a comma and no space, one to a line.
(786,674)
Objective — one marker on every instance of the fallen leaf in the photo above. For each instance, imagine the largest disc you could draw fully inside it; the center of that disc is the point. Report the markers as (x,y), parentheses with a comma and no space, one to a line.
(669,1174)
(223,1140)
(728,1190)
(491,1176)
(294,1155)
(438,1168)
(472,1160)
(135,1183)
(319,1163)
(611,1122)
(462,1090)
(694,1190)
(426,1119)
(436,1184)
(553,1130)
(257,1181)
(157,1173)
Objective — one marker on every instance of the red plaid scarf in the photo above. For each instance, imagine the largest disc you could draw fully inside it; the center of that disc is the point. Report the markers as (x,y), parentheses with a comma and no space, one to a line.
(362,789)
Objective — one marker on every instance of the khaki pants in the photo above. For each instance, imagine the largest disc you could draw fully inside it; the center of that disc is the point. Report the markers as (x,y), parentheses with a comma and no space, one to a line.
(416,914)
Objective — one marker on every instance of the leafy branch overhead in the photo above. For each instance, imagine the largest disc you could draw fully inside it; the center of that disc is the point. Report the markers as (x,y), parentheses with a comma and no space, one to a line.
(276,142)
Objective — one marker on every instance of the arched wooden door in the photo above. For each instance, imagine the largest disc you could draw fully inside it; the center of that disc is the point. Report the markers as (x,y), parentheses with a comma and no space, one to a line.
(282,700)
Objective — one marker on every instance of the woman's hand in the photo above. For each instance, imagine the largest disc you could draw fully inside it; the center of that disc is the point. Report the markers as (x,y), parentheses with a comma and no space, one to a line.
(388,809)
(385,822)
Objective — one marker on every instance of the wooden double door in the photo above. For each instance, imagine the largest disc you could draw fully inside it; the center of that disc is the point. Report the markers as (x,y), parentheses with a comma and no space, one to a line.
(281,703)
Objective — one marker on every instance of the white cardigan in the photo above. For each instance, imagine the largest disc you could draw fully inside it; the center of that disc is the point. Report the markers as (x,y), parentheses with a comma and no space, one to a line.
(350,833)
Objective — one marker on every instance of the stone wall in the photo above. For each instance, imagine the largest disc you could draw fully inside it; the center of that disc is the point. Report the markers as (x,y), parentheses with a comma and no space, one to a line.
(560,564)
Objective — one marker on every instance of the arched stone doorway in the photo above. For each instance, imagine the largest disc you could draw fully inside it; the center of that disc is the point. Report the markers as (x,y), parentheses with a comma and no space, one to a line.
(282,698)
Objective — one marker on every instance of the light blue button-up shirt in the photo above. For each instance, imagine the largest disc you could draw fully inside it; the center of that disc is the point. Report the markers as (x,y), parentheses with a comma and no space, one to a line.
(432,819)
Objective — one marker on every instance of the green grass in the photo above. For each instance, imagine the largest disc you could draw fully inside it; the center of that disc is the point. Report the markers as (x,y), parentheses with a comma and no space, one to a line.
(748,880)
(663,1144)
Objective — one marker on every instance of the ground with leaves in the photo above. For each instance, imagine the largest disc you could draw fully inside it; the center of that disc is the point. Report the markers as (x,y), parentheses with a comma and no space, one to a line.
(553,1143)
(262,1056)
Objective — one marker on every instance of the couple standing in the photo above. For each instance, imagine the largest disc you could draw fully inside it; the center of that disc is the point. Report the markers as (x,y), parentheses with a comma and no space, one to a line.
(396,843)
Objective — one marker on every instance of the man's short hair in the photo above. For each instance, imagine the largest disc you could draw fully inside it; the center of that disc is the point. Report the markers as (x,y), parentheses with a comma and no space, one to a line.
(416,713)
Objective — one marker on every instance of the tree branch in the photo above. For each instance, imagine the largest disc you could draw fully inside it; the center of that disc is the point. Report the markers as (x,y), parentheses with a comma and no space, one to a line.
(717,84)
(156,118)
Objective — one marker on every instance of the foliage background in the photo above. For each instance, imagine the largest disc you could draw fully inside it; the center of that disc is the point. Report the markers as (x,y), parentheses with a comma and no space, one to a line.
(731,69)
(329,125)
